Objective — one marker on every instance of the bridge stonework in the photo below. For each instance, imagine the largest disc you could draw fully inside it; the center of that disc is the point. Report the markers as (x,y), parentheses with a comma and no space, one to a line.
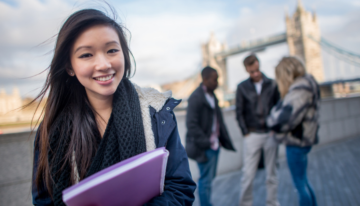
(209,49)
(303,35)
(183,89)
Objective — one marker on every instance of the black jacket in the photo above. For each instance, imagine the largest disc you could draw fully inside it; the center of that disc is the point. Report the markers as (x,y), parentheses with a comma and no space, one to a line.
(251,108)
(199,120)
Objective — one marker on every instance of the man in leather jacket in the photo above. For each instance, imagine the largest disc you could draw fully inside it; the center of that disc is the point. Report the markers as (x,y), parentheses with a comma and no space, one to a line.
(254,99)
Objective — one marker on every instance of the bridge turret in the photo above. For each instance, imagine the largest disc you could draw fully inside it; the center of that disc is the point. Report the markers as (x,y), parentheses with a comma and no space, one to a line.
(300,6)
(301,30)
(209,49)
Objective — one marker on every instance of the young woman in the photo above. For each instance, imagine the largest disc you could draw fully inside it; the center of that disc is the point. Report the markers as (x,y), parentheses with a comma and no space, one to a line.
(296,117)
(95,117)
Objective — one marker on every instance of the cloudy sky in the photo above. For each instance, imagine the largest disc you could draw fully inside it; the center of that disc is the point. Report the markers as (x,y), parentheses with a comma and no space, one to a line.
(166,35)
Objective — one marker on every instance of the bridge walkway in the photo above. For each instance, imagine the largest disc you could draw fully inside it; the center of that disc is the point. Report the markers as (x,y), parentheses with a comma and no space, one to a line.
(333,171)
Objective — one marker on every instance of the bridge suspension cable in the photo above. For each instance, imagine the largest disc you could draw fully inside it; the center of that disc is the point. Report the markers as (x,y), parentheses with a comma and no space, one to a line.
(341,54)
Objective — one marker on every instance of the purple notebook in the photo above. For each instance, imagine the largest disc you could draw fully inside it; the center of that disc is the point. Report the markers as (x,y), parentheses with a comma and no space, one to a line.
(133,181)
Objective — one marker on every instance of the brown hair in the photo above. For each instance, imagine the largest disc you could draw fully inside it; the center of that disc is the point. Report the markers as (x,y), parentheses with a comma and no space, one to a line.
(67,96)
(288,69)
(250,60)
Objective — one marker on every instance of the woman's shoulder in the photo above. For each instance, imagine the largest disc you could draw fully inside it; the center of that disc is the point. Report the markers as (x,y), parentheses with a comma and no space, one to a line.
(150,97)
(304,85)
(301,83)
(154,102)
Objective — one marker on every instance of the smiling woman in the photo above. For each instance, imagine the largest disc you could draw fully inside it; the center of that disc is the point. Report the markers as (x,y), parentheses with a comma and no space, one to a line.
(98,61)
(95,117)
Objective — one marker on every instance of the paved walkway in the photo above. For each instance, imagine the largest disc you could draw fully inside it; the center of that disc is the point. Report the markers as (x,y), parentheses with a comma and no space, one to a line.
(333,171)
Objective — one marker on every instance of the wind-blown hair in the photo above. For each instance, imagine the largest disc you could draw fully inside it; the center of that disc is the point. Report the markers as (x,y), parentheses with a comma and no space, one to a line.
(288,69)
(67,96)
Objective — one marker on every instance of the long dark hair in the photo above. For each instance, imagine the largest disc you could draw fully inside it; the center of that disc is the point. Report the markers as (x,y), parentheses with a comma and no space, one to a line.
(67,95)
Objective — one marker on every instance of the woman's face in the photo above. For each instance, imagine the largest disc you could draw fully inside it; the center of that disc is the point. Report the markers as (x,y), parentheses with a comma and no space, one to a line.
(97,61)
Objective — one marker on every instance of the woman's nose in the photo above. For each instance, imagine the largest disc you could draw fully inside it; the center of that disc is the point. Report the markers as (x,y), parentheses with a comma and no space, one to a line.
(102,63)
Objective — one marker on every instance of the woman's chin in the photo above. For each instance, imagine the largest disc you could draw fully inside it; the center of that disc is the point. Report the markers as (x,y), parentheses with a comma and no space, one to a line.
(101,93)
(108,93)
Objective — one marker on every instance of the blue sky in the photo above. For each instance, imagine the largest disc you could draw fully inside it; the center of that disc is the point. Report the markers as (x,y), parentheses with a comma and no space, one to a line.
(167,34)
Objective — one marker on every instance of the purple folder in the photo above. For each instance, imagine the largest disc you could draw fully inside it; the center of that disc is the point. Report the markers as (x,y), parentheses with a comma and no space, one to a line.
(133,181)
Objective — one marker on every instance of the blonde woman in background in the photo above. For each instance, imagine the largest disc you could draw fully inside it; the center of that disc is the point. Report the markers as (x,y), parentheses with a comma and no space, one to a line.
(296,118)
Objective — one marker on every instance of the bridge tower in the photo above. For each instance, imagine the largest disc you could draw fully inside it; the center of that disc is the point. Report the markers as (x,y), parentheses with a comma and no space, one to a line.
(303,35)
(209,49)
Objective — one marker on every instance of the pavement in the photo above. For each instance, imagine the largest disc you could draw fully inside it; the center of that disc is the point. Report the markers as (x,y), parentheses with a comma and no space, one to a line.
(333,172)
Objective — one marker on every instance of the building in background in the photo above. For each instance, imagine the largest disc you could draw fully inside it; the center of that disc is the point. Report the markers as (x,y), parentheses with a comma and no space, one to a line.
(9,106)
(12,115)
(302,37)
(340,88)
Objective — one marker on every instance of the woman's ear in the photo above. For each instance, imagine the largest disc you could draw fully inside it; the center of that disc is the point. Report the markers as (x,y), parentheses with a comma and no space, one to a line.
(70,72)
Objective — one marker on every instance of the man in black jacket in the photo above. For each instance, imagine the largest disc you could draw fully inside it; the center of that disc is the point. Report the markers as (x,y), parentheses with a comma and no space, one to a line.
(206,131)
(254,99)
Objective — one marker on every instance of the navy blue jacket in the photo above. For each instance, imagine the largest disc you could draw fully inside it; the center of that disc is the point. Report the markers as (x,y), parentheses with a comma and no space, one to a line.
(179,186)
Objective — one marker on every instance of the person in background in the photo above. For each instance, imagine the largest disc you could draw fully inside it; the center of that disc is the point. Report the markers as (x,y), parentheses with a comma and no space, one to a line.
(296,117)
(206,132)
(254,99)
(95,116)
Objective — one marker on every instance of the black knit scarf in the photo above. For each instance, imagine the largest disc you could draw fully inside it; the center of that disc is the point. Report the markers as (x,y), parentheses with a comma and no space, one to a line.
(123,138)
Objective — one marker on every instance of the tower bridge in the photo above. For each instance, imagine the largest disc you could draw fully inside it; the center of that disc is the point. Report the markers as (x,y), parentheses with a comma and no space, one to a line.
(299,27)
(302,36)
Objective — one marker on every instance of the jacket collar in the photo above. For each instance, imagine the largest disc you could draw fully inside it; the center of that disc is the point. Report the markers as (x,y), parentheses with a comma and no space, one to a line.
(250,83)
(201,92)
(264,78)
(150,97)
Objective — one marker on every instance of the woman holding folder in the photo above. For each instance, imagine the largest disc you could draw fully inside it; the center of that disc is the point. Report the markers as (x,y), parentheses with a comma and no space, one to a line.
(96,117)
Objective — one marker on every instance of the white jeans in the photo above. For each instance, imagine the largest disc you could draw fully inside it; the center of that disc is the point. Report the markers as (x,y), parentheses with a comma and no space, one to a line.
(252,150)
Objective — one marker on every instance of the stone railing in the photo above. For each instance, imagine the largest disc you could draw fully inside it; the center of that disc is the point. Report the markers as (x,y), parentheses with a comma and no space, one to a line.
(339,118)
(16,153)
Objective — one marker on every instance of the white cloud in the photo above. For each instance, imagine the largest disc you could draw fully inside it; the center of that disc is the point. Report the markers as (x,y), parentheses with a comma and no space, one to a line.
(244,11)
(259,24)
(24,27)
(31,21)
(356,3)
(168,45)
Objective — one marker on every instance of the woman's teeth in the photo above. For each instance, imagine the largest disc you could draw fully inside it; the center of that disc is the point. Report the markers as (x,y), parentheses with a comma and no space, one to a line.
(104,79)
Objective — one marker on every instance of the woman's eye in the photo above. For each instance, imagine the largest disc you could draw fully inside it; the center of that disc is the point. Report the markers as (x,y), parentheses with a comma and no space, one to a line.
(85,55)
(113,50)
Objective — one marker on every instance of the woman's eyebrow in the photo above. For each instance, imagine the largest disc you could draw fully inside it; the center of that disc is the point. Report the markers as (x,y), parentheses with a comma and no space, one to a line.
(89,47)
(113,42)
(82,47)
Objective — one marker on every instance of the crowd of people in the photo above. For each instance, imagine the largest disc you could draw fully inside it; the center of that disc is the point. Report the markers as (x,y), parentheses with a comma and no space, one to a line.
(268,113)
(95,117)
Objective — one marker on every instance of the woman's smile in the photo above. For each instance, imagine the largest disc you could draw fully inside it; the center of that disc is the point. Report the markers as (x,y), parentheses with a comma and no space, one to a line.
(104,80)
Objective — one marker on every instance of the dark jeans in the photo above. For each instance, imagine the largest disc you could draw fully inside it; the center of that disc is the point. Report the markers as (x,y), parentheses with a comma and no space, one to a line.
(207,174)
(297,161)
